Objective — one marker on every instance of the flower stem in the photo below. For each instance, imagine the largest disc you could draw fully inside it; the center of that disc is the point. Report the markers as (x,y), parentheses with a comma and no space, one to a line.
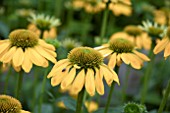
(110,93)
(125,84)
(34,88)
(41,34)
(19,84)
(148,73)
(7,79)
(165,98)
(80,101)
(104,22)
(42,91)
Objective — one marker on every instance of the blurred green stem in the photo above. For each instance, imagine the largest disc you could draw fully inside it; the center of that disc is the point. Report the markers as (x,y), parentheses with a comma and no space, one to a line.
(7,79)
(80,100)
(165,98)
(34,87)
(148,72)
(19,84)
(110,93)
(42,91)
(42,32)
(104,23)
(125,84)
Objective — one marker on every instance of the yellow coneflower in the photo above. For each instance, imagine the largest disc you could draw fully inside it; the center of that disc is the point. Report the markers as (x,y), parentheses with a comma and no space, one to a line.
(78,4)
(83,67)
(44,22)
(52,33)
(119,7)
(9,104)
(122,50)
(139,38)
(93,6)
(164,44)
(24,48)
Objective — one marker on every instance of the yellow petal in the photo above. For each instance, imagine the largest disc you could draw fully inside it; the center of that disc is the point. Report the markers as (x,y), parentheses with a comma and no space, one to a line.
(89,82)
(109,74)
(4,45)
(45,54)
(78,82)
(135,63)
(27,64)
(23,111)
(36,58)
(68,79)
(105,52)
(45,45)
(18,57)
(112,61)
(161,45)
(8,55)
(102,47)
(141,55)
(99,82)
(59,66)
(52,53)
(60,75)
(118,59)
(167,50)
(125,58)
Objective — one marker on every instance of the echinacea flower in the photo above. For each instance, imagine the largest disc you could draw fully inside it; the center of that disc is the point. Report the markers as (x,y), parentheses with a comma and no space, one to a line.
(139,37)
(91,106)
(44,22)
(9,104)
(83,67)
(164,44)
(122,50)
(24,48)
(132,107)
(153,29)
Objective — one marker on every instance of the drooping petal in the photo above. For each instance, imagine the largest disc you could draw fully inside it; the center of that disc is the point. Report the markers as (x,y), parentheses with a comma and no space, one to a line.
(125,58)
(45,45)
(102,47)
(36,58)
(109,74)
(55,80)
(27,64)
(7,57)
(135,63)
(68,78)
(141,55)
(18,57)
(106,52)
(78,82)
(4,45)
(59,66)
(167,50)
(118,59)
(161,45)
(89,82)
(52,53)
(99,82)
(112,61)
(45,54)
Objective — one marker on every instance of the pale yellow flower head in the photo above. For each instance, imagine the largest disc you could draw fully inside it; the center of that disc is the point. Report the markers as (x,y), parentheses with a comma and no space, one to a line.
(24,48)
(164,44)
(138,37)
(44,22)
(9,104)
(122,50)
(83,67)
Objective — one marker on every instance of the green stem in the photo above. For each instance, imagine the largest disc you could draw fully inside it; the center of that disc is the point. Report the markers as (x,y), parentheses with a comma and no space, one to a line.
(125,84)
(80,101)
(104,22)
(42,91)
(110,93)
(147,74)
(19,84)
(34,88)
(165,98)
(41,34)
(7,79)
